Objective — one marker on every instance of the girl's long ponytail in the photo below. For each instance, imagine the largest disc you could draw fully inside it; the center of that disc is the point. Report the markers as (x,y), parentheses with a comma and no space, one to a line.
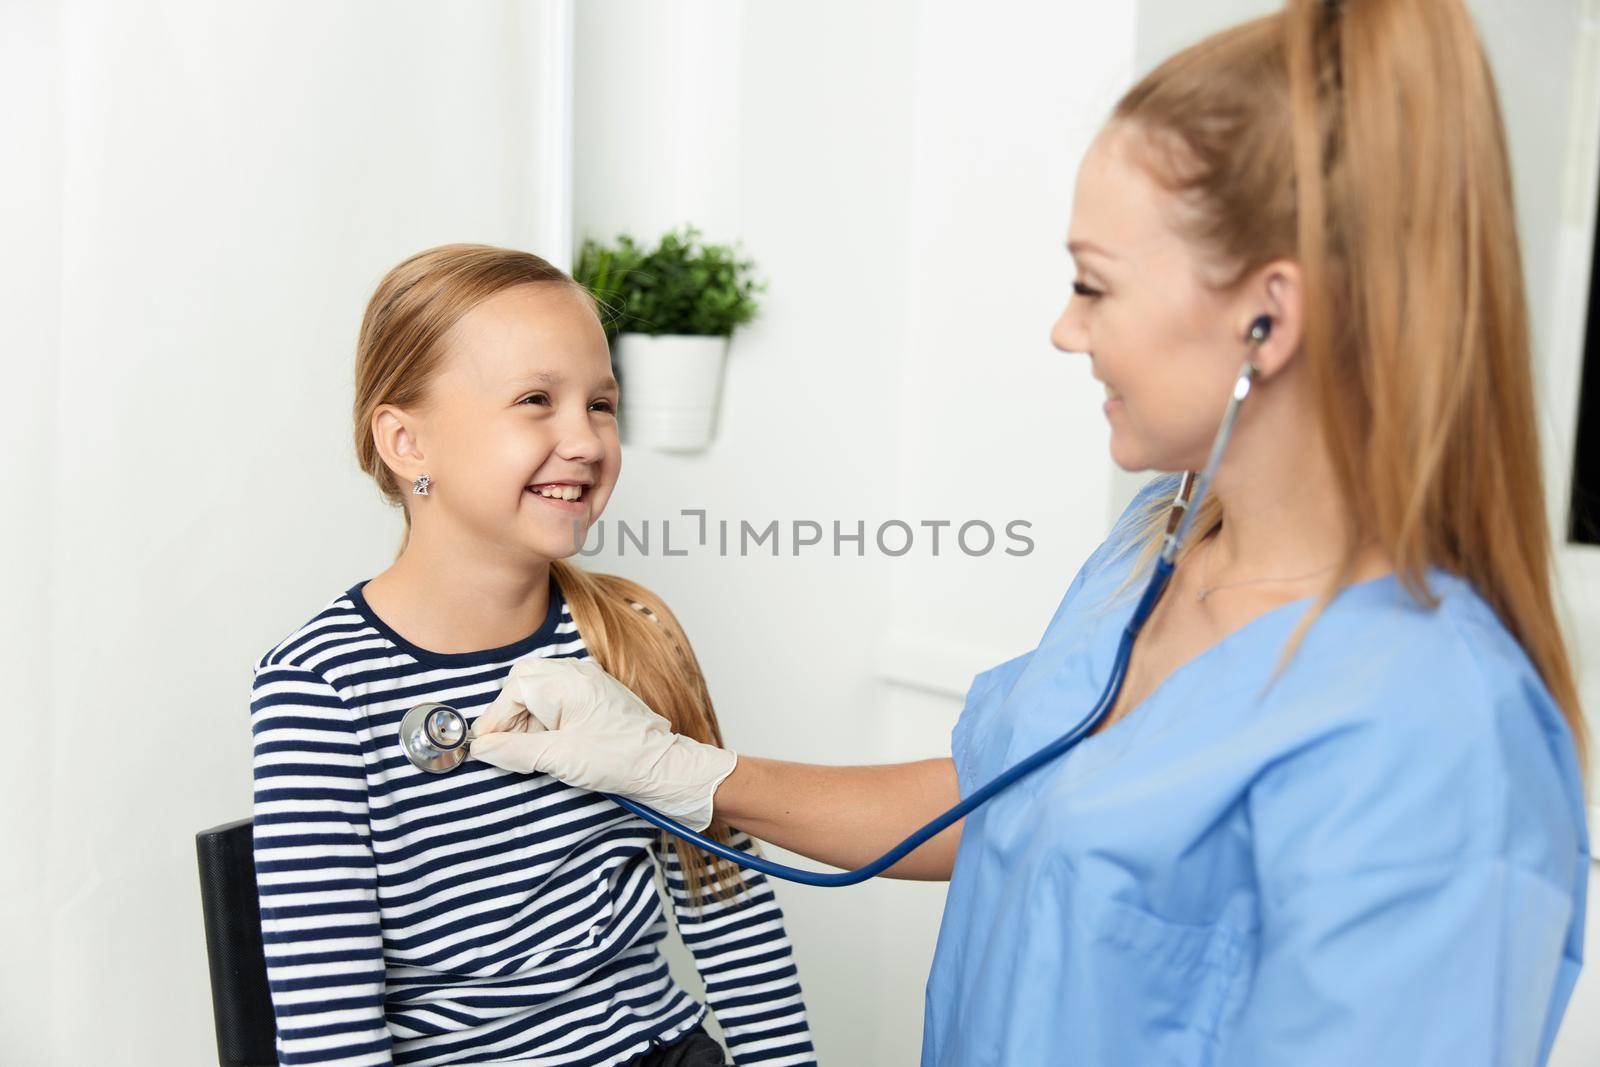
(647,651)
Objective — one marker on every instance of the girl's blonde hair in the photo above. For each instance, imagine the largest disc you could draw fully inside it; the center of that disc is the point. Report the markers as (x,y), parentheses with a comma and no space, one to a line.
(400,349)
(1364,140)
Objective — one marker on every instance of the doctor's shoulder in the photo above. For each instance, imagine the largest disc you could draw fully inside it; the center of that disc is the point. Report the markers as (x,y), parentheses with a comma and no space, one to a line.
(1430,724)
(1465,671)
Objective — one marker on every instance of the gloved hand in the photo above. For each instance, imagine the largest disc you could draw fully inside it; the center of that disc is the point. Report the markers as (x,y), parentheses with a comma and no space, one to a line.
(568,718)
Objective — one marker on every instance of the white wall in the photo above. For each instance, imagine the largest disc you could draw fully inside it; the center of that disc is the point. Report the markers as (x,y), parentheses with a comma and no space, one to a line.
(30,287)
(214,190)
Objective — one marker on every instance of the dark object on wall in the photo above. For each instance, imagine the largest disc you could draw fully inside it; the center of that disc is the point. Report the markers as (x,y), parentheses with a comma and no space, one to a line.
(1583,526)
(1583,507)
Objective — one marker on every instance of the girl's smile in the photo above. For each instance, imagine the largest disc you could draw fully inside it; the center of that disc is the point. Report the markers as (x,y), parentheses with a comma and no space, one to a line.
(568,497)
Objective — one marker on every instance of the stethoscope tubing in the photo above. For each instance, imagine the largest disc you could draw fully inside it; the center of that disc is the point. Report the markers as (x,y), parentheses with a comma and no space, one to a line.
(1055,749)
(1190,492)
(1182,514)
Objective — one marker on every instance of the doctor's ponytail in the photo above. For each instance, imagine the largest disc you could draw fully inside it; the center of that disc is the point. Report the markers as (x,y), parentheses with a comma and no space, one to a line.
(1363,139)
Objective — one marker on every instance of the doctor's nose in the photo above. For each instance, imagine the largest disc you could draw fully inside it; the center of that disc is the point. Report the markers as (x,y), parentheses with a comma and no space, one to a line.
(1068,334)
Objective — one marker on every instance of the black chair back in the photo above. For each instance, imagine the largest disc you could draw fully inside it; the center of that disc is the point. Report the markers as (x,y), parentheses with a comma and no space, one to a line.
(240,1002)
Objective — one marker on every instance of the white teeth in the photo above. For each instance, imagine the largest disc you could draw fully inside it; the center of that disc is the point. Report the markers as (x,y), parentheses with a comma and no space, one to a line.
(560,492)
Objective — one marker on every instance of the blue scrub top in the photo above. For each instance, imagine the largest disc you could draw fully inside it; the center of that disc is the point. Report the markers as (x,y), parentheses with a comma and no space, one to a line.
(1382,859)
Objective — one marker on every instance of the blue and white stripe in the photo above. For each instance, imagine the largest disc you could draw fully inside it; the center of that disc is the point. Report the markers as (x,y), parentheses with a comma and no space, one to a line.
(481,916)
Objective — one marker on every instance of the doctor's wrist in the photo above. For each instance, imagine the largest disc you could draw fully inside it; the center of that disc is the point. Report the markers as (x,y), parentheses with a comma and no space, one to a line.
(737,797)
(684,780)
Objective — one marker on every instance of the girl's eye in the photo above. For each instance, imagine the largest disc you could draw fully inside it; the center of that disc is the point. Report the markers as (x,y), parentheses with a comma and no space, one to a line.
(544,398)
(1084,291)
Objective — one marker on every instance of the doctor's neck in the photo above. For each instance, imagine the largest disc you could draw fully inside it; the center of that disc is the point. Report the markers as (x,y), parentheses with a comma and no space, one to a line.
(1282,514)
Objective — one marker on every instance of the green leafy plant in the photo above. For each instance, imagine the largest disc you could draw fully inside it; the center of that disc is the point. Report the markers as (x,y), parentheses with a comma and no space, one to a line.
(682,286)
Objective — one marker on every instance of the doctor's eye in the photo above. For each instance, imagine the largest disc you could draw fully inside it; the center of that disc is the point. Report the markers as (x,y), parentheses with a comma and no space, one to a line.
(1083,290)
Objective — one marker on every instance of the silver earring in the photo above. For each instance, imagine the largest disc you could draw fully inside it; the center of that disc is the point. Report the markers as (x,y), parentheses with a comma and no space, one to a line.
(419,486)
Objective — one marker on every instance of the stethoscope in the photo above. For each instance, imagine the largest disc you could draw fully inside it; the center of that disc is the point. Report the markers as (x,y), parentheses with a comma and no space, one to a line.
(435,737)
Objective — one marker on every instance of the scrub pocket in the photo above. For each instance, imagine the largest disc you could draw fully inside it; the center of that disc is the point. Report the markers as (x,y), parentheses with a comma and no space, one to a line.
(1172,983)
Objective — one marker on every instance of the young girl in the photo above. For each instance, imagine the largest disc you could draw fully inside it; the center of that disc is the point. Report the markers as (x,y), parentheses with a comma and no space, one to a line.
(484,916)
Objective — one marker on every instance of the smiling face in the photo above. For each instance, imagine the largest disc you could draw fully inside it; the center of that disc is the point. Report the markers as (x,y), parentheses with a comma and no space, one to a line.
(519,430)
(1167,346)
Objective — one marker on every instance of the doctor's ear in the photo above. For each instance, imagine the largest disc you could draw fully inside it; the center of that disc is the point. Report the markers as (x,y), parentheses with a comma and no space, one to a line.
(395,438)
(1273,292)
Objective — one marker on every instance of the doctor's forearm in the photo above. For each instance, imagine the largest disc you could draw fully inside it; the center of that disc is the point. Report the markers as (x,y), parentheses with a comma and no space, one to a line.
(845,816)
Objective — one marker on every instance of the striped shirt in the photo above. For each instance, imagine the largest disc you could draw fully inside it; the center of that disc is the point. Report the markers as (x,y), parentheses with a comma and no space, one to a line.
(479,916)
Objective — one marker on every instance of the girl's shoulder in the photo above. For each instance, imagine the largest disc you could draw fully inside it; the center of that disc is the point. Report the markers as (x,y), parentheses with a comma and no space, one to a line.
(336,622)
(353,647)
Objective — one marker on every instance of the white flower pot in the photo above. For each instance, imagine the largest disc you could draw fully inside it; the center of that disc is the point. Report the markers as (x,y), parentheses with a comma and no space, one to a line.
(670,387)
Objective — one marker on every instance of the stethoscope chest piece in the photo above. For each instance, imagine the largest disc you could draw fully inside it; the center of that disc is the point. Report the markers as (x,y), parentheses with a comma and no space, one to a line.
(434,738)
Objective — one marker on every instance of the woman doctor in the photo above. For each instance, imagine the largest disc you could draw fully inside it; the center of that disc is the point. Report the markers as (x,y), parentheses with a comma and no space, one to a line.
(1373,855)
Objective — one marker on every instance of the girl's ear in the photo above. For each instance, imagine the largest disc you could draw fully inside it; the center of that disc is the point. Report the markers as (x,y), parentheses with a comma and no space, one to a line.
(397,443)
(1277,290)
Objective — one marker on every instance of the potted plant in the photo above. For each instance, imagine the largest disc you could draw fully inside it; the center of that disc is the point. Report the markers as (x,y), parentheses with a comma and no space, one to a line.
(669,312)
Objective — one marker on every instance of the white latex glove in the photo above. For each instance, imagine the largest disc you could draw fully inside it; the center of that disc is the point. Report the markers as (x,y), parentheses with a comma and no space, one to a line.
(568,718)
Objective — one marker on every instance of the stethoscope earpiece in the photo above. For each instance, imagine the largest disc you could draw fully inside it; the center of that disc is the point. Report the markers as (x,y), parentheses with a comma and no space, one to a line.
(1260,329)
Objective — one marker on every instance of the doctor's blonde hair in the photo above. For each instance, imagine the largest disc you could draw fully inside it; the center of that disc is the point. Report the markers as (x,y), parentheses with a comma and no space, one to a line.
(627,629)
(1363,139)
